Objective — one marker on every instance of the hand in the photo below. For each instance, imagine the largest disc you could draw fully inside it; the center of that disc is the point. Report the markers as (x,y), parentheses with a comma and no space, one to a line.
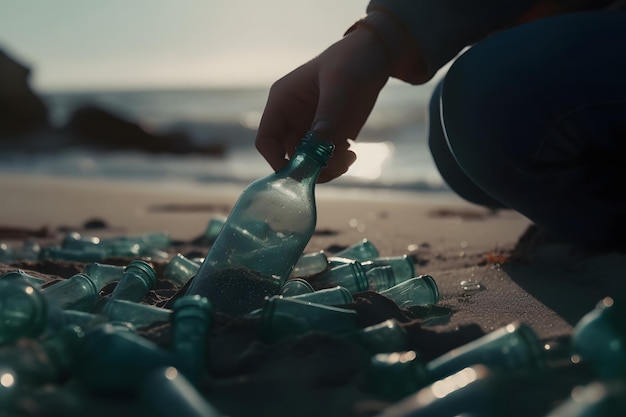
(333,94)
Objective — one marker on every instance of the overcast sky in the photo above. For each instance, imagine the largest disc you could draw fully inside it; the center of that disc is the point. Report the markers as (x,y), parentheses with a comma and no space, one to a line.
(146,43)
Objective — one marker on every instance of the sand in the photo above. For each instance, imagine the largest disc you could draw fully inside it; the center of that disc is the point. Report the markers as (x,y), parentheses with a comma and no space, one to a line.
(489,270)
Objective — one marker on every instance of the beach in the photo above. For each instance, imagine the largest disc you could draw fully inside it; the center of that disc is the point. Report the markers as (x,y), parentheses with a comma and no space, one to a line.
(490,272)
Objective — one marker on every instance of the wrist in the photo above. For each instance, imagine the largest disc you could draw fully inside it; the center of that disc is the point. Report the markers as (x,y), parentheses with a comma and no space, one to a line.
(403,56)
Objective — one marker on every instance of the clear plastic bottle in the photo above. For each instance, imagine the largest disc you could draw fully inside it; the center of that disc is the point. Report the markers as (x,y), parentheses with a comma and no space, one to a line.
(310,264)
(351,276)
(77,292)
(380,278)
(103,274)
(421,290)
(512,347)
(328,296)
(265,234)
(361,251)
(296,286)
(388,336)
(285,318)
(180,269)
(138,279)
(137,314)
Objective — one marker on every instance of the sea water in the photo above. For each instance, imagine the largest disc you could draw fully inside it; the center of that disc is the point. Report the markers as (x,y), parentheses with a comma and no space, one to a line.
(392,147)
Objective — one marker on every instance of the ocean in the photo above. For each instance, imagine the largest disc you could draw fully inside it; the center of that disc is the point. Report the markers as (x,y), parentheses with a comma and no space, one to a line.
(392,148)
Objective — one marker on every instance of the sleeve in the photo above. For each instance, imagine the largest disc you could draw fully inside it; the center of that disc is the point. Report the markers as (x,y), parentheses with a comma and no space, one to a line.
(424,35)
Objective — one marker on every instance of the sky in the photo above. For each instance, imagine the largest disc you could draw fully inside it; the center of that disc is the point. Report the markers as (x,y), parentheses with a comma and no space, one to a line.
(100,44)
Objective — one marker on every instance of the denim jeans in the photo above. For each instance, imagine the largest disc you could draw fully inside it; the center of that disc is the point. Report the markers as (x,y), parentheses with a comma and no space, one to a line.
(534,119)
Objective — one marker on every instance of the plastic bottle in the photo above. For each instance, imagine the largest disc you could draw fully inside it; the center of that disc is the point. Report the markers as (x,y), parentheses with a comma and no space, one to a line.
(8,388)
(512,347)
(114,359)
(599,339)
(362,251)
(137,314)
(213,228)
(310,264)
(421,290)
(296,286)
(75,241)
(138,279)
(77,292)
(596,399)
(351,276)
(165,392)
(402,266)
(380,278)
(265,234)
(395,375)
(23,312)
(191,325)
(387,336)
(180,269)
(19,273)
(284,318)
(103,274)
(328,296)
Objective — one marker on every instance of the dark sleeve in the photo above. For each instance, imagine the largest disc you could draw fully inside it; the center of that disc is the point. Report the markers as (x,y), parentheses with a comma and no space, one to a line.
(440,29)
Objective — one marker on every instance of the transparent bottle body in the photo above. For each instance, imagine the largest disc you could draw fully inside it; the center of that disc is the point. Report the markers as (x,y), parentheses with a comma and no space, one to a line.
(77,292)
(261,240)
(421,290)
(512,347)
(328,296)
(296,286)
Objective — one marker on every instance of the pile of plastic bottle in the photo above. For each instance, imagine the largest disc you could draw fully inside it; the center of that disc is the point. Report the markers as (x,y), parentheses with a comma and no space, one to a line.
(95,338)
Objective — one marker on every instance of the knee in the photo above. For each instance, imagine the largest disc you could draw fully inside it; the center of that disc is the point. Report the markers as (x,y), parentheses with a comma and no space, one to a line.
(482,106)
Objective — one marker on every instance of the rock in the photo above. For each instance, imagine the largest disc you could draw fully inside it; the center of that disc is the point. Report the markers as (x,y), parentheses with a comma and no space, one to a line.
(95,127)
(21,110)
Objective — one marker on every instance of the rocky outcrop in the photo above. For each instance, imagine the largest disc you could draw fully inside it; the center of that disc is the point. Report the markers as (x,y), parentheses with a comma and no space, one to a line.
(92,126)
(21,110)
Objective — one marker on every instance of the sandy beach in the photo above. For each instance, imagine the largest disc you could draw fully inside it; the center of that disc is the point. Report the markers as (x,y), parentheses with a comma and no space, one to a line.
(511,277)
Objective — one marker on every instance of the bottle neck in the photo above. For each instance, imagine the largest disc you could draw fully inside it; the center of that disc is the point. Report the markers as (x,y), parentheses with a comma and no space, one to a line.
(309,159)
(303,168)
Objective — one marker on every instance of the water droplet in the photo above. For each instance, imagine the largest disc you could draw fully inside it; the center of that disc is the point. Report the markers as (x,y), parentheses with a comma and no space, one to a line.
(471,286)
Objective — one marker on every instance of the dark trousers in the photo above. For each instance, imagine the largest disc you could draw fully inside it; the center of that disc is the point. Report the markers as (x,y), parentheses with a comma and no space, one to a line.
(534,119)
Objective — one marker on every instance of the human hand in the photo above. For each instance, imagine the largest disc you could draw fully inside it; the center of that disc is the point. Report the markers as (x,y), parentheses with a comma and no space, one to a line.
(333,94)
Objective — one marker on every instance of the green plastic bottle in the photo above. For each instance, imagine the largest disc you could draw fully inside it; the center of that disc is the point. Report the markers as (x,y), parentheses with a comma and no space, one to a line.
(310,264)
(138,279)
(285,318)
(23,309)
(191,325)
(265,234)
(180,269)
(421,290)
(114,359)
(599,339)
(351,276)
(361,251)
(165,392)
(296,286)
(77,292)
(512,347)
(30,278)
